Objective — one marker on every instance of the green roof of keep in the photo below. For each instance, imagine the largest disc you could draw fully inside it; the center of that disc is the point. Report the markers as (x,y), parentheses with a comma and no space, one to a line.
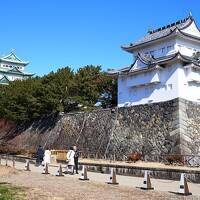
(4,80)
(13,58)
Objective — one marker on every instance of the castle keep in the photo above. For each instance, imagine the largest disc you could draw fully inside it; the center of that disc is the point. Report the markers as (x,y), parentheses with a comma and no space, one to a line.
(12,68)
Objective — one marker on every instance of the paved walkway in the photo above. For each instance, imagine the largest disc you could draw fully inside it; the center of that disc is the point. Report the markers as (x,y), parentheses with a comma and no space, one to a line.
(127,181)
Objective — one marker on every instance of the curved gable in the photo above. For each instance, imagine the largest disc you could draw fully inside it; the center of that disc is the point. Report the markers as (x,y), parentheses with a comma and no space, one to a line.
(4,80)
(192,29)
(138,65)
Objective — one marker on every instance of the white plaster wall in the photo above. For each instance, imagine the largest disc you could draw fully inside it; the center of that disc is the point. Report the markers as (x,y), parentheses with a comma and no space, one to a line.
(157,48)
(189,90)
(11,77)
(11,64)
(3,67)
(134,81)
(176,75)
(152,93)
(186,47)
(193,91)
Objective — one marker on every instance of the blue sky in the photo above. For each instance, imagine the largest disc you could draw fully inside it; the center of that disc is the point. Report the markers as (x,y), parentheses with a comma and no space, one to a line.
(55,33)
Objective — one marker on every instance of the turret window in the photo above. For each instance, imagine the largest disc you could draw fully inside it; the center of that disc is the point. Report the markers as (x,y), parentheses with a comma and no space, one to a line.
(169,86)
(152,53)
(169,48)
(163,49)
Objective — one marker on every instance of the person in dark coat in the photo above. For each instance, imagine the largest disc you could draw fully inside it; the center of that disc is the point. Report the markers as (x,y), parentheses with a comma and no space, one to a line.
(39,155)
(76,155)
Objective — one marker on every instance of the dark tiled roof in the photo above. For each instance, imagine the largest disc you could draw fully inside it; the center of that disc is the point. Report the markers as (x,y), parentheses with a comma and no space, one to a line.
(161,32)
(157,61)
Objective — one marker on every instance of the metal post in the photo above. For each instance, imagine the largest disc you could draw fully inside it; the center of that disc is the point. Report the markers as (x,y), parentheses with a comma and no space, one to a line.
(13,162)
(110,158)
(124,158)
(6,160)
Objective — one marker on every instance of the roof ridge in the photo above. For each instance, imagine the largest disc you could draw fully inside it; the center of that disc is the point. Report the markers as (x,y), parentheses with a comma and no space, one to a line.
(4,76)
(163,32)
(171,25)
(10,56)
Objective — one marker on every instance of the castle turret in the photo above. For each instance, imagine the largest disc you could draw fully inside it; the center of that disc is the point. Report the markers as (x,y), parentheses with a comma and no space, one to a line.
(166,65)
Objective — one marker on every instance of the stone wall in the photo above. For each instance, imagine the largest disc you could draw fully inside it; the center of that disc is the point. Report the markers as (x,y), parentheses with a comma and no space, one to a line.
(159,128)
(189,122)
(144,128)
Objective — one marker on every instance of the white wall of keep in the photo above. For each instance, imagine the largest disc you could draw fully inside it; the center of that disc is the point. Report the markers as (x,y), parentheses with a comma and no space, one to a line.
(158,49)
(165,90)
(14,77)
(186,47)
(11,77)
(8,66)
(189,84)
(175,81)
(192,92)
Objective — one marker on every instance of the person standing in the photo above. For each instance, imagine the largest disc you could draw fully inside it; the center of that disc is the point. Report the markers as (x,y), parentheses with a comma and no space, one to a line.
(76,155)
(70,161)
(47,156)
(39,155)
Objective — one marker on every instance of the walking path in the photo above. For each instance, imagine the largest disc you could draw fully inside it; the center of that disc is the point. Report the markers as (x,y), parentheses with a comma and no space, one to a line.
(124,181)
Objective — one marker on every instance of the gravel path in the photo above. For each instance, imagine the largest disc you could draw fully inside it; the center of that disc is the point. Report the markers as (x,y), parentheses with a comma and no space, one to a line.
(49,187)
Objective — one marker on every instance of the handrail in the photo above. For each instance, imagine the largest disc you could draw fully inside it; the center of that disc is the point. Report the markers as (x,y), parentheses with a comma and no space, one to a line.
(181,159)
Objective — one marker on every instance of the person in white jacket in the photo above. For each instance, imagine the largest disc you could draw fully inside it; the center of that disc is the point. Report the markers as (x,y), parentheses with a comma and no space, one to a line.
(70,160)
(47,156)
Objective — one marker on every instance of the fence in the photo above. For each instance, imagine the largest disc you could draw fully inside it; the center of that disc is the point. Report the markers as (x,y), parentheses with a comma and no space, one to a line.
(174,159)
(169,159)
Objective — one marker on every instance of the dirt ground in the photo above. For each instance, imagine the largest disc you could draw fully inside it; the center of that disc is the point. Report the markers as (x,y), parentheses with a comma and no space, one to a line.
(5,171)
(49,187)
